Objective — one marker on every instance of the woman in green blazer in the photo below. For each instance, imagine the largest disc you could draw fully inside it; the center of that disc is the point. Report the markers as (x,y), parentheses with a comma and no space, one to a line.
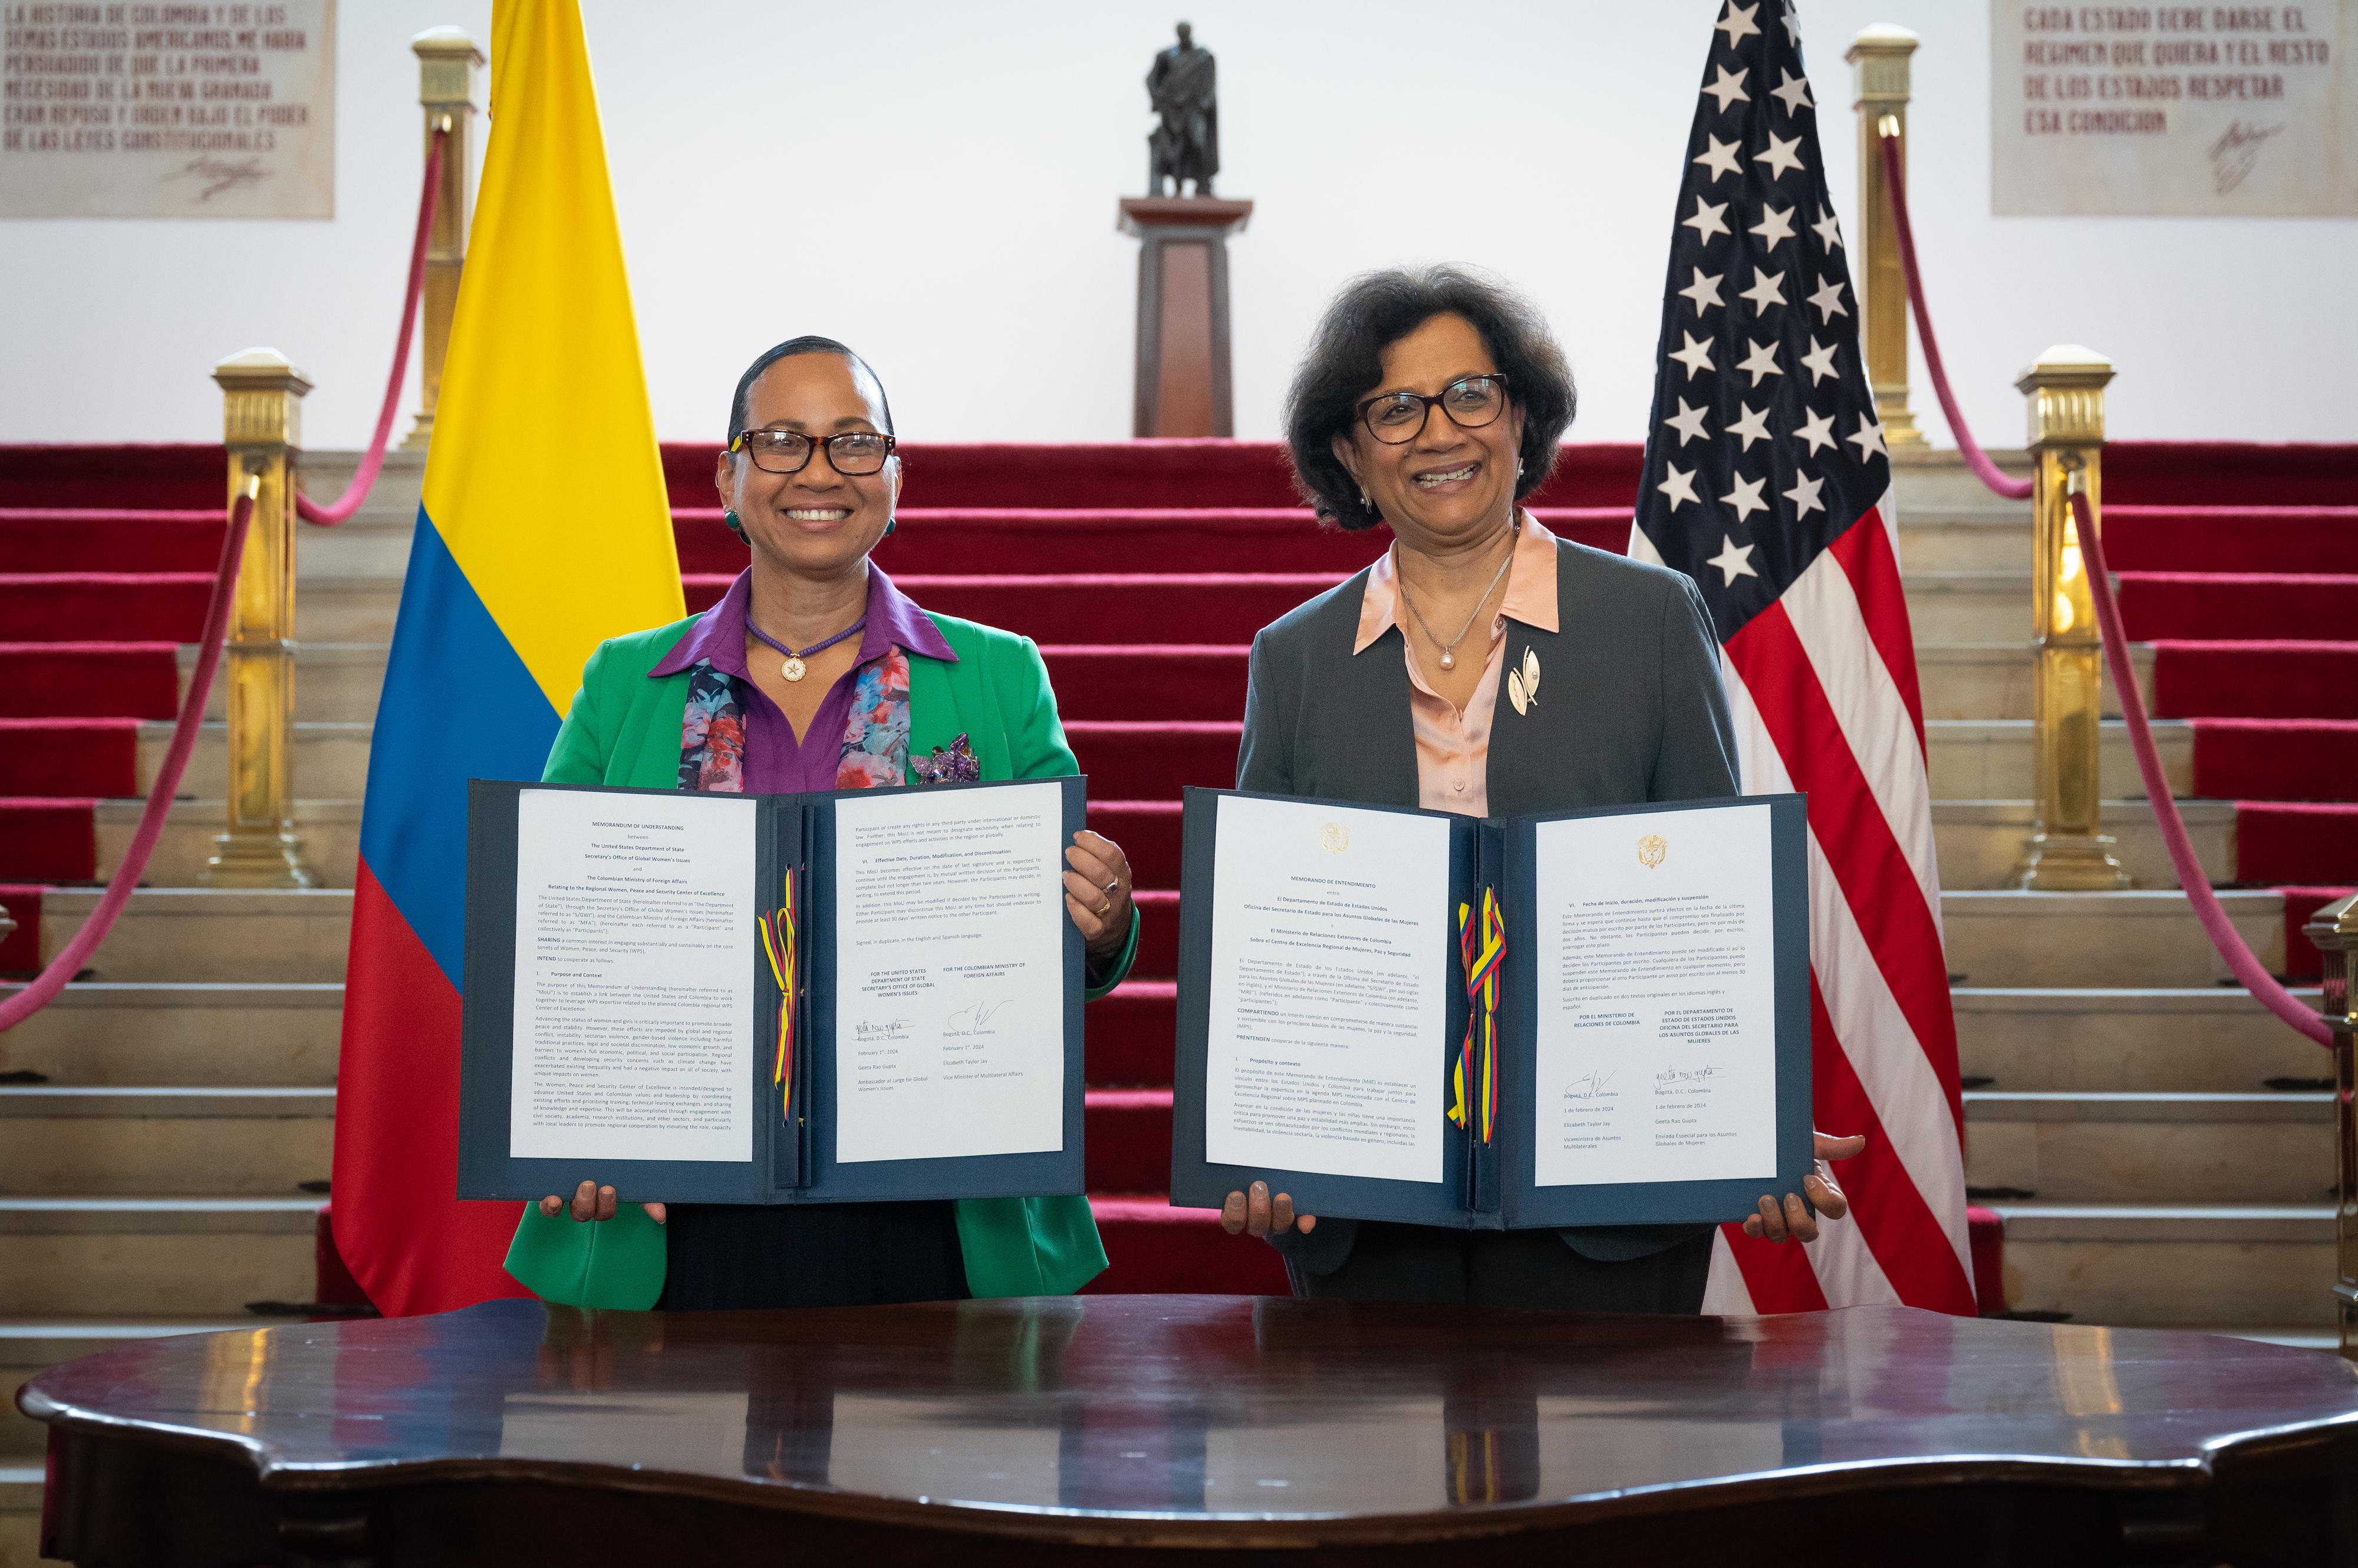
(812,672)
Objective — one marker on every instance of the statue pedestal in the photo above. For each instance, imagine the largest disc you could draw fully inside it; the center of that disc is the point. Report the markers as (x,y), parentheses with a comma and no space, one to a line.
(1182,312)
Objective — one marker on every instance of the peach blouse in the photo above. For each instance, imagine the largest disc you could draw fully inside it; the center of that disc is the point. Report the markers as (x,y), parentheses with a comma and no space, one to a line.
(1453,744)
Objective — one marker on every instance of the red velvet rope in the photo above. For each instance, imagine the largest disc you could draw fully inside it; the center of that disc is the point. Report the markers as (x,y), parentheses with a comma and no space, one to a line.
(44,986)
(373,460)
(2241,961)
(2247,969)
(1975,459)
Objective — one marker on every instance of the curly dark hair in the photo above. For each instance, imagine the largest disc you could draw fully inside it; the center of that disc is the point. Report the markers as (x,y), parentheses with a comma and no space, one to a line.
(1345,365)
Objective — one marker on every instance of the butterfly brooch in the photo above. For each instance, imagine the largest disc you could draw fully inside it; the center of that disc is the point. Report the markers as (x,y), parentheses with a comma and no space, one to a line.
(953,763)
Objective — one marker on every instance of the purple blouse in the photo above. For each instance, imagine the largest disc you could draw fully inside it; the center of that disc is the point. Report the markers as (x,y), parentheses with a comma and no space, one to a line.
(859,736)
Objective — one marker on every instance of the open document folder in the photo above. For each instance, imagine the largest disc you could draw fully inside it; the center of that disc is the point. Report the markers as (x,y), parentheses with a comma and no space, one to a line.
(771,999)
(1585,1018)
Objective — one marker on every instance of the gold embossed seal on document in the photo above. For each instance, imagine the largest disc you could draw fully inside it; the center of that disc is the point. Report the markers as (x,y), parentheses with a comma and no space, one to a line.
(1336,837)
(1651,850)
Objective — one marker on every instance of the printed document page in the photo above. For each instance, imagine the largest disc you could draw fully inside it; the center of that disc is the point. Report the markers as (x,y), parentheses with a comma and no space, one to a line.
(633,977)
(1657,997)
(949,1013)
(1329,1007)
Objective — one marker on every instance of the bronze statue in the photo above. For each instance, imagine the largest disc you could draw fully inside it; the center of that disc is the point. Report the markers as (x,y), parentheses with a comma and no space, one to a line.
(1186,146)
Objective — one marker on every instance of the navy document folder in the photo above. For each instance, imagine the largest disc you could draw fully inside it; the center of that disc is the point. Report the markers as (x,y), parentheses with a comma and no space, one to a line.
(1593,1017)
(870,994)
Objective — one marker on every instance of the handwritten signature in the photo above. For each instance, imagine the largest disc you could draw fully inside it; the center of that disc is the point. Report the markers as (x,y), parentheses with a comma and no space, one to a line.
(975,1020)
(221,175)
(1588,1085)
(1671,1076)
(2236,151)
(894,1029)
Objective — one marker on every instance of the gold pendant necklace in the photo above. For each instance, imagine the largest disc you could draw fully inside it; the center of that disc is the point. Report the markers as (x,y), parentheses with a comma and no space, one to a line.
(794,669)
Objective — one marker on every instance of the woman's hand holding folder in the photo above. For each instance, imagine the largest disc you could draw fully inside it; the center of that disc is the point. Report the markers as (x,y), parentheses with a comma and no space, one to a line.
(591,1201)
(1795,1221)
(1257,1213)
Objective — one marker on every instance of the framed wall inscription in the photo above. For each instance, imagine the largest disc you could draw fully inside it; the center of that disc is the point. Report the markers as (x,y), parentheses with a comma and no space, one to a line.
(2188,111)
(154,109)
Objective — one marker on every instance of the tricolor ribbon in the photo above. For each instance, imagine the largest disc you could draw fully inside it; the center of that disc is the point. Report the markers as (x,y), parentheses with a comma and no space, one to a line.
(778,945)
(1483,949)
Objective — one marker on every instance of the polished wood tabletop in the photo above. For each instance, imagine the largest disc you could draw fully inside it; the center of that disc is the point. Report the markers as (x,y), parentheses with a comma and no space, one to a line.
(1055,1429)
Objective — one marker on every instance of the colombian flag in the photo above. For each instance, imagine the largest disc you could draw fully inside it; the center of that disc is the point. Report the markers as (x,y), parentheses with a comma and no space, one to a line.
(545,529)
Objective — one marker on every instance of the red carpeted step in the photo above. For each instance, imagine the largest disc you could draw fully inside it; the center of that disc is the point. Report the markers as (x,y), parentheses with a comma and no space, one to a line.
(2229,606)
(2186,538)
(1132,760)
(1151,1247)
(54,539)
(1986,1241)
(70,680)
(69,756)
(942,542)
(2302,961)
(2231,473)
(2287,679)
(2276,759)
(111,475)
(38,607)
(2296,841)
(1148,832)
(20,950)
(48,840)
(1146,680)
(1130,1035)
(1190,607)
(1158,935)
(1128,1138)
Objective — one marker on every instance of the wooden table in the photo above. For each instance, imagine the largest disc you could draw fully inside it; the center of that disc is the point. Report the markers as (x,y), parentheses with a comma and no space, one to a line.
(1060,1429)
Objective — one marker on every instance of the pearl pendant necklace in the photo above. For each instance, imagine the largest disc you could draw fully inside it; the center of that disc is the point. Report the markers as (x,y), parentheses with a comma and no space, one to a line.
(795,669)
(1449,649)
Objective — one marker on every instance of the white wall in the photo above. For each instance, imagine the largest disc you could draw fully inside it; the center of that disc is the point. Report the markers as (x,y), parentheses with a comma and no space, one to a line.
(941,187)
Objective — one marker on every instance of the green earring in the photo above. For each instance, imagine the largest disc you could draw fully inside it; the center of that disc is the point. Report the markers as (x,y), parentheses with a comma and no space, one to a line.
(736,523)
(891,523)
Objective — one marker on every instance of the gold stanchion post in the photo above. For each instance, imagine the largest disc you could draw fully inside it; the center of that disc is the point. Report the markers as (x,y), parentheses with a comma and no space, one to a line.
(447,58)
(262,398)
(1880,58)
(2334,931)
(2067,850)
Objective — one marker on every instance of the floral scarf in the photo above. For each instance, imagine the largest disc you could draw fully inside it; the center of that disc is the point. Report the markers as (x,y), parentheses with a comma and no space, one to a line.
(875,751)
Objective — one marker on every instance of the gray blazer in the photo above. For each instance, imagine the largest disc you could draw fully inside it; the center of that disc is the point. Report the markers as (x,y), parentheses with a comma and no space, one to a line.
(1629,708)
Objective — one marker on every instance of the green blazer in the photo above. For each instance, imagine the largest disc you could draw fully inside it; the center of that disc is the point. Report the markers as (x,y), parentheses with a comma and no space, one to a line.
(624,730)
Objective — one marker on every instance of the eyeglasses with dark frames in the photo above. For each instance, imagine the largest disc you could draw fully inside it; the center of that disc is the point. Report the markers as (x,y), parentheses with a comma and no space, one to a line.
(1471,401)
(849,452)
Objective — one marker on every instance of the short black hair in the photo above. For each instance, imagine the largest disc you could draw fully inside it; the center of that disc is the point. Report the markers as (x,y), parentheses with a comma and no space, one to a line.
(1344,364)
(787,349)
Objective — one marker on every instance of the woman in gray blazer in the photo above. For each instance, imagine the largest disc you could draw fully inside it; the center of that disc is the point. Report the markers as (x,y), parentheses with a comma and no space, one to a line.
(1485,667)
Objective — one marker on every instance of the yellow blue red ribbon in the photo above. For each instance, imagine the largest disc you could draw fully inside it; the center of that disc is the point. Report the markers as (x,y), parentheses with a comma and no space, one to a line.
(1483,949)
(778,945)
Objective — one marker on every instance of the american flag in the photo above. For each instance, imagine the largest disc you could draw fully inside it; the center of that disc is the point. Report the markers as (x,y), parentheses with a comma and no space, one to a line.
(1768,483)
